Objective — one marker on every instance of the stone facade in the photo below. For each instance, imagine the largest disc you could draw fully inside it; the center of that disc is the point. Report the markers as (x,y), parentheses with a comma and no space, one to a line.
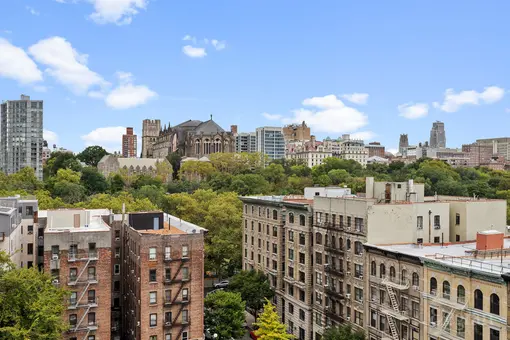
(150,131)
(111,164)
(192,138)
(296,132)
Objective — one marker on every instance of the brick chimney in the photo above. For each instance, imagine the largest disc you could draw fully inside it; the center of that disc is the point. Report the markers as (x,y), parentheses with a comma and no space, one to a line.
(233,129)
(489,240)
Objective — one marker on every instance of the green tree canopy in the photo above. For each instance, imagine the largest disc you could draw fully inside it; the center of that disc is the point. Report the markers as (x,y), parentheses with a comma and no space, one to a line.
(224,315)
(254,288)
(343,332)
(269,325)
(92,155)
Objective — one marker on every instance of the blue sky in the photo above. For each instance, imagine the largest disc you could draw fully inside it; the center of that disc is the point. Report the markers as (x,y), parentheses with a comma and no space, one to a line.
(102,65)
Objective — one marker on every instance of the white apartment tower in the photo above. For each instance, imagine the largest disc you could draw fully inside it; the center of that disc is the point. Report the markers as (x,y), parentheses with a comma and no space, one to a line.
(22,135)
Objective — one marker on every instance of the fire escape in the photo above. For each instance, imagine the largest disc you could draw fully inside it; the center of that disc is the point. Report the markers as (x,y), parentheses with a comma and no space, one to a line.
(443,330)
(81,282)
(394,312)
(178,280)
(333,270)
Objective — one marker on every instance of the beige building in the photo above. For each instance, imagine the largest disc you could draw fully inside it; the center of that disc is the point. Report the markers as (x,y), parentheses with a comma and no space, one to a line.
(294,132)
(111,164)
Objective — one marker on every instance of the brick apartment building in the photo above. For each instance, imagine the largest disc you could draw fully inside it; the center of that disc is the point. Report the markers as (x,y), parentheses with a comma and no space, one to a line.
(133,276)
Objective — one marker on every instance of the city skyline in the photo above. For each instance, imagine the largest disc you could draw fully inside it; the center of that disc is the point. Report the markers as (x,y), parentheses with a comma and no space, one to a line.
(208,65)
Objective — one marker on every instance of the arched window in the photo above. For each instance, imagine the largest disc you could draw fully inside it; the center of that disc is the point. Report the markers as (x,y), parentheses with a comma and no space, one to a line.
(318,238)
(373,269)
(358,248)
(382,271)
(478,299)
(461,294)
(207,147)
(392,273)
(217,145)
(446,290)
(260,211)
(348,244)
(275,214)
(302,220)
(341,243)
(268,214)
(495,304)
(333,241)
(433,285)
(291,217)
(197,146)
(252,209)
(245,208)
(416,279)
(403,276)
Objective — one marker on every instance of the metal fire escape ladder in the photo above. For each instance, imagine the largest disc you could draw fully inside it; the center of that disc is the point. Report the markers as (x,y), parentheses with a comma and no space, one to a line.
(83,270)
(82,318)
(396,309)
(86,335)
(82,294)
(446,321)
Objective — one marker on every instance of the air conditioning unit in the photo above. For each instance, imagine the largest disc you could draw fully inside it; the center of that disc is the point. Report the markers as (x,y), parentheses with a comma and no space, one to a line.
(374,299)
(117,239)
(432,324)
(138,323)
(348,295)
(55,281)
(360,277)
(117,256)
(348,273)
(416,288)
(54,257)
(168,323)
(30,232)
(348,318)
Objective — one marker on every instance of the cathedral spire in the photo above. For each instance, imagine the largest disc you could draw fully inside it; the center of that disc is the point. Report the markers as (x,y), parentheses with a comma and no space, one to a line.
(211,116)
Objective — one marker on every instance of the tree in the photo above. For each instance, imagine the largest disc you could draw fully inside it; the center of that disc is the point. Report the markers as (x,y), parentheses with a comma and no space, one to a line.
(69,192)
(24,179)
(92,155)
(224,315)
(339,176)
(269,325)
(343,332)
(30,305)
(249,184)
(93,181)
(61,160)
(116,183)
(273,173)
(254,288)
(164,171)
(175,161)
(195,170)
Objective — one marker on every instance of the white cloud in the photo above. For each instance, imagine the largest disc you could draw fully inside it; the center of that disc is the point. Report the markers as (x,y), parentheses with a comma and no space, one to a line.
(327,114)
(269,116)
(188,37)
(363,135)
(40,88)
(127,95)
(50,136)
(32,10)
(109,138)
(413,111)
(194,52)
(392,150)
(120,12)
(16,64)
(67,65)
(454,101)
(356,98)
(218,45)
(72,101)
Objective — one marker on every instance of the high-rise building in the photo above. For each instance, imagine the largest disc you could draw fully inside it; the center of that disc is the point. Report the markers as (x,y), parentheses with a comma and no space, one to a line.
(246,142)
(271,142)
(129,143)
(500,146)
(353,149)
(403,144)
(375,149)
(296,132)
(22,135)
(150,132)
(437,135)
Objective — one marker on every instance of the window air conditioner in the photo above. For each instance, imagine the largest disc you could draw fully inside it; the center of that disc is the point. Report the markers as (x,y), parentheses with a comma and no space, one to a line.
(54,257)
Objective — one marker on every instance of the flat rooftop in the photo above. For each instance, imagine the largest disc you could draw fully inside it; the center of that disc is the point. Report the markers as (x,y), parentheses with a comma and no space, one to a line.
(460,255)
(172,225)
(168,229)
(282,199)
(61,220)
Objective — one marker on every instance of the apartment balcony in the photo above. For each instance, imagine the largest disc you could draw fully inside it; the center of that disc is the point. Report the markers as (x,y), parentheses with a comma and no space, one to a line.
(73,280)
(333,270)
(331,291)
(395,283)
(73,257)
(54,264)
(445,300)
(441,333)
(401,315)
(330,313)
(92,326)
(335,250)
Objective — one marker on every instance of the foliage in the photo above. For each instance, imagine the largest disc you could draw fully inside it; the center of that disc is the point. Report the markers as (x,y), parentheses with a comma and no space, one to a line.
(224,314)
(195,170)
(254,288)
(343,332)
(269,325)
(237,163)
(93,181)
(30,305)
(61,160)
(92,155)
(175,161)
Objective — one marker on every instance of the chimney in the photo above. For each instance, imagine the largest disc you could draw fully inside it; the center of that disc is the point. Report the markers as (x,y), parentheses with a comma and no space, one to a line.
(233,129)
(489,240)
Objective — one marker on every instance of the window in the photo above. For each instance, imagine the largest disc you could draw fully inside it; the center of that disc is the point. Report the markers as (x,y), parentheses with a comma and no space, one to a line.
(91,318)
(433,316)
(291,254)
(446,322)
(301,295)
(185,316)
(291,236)
(152,275)
(275,248)
(152,253)
(72,298)
(116,286)
(457,219)
(168,275)
(301,315)
(92,273)
(291,218)
(437,239)
(73,273)
(494,299)
(382,271)
(302,220)
(302,258)
(373,268)
(260,228)
(433,285)
(348,222)
(318,278)
(382,323)
(73,320)
(416,280)
(168,295)
(291,308)
(393,273)
(117,251)
(301,276)
(185,294)
(275,231)
(358,294)
(437,222)
(91,296)
(153,320)
(30,229)
(291,272)
(461,327)
(92,250)
(275,215)
(358,318)
(184,335)
(358,271)
(415,309)
(461,294)
(318,258)
(494,334)
(168,252)
(318,238)
(373,318)
(446,290)
(358,248)
(348,244)
(478,299)
(302,334)
(153,298)
(403,276)
(153,337)
(168,336)
(457,238)
(419,222)
(185,251)
(302,239)
(185,273)
(382,296)
(318,321)
(478,331)
(267,213)
(30,248)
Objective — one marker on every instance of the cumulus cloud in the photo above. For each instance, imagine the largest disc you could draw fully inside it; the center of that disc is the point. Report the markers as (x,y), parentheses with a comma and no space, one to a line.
(356,98)
(194,52)
(119,12)
(16,64)
(32,10)
(269,116)
(363,135)
(67,65)
(50,136)
(326,114)
(413,110)
(218,45)
(453,101)
(127,95)
(109,138)
(188,37)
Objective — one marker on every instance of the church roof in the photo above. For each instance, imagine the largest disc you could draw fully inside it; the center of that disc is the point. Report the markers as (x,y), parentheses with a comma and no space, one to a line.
(208,128)
(189,123)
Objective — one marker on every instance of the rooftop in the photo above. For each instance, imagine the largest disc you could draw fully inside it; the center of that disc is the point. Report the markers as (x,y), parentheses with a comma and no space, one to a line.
(172,226)
(461,255)
(167,230)
(62,220)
